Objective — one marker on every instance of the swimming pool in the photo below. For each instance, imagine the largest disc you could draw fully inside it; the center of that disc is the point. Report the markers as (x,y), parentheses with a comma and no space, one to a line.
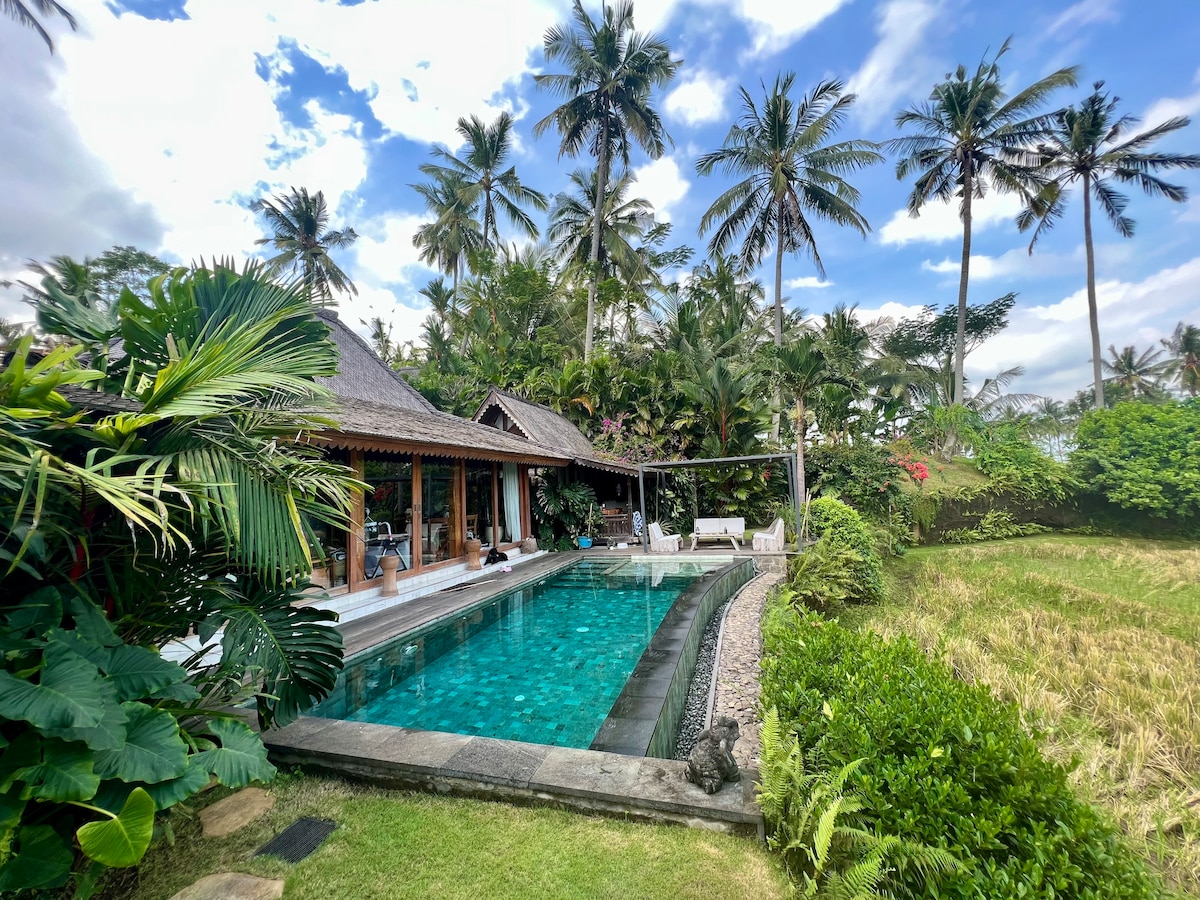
(542,664)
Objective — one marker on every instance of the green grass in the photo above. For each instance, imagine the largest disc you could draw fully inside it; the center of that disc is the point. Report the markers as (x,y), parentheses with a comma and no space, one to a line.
(1097,640)
(397,845)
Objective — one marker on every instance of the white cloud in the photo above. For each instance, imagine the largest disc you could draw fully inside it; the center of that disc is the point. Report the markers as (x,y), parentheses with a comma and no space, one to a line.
(661,182)
(1053,341)
(894,67)
(1171,107)
(384,249)
(699,98)
(941,222)
(775,26)
(405,321)
(889,310)
(1083,13)
(806,282)
(1015,263)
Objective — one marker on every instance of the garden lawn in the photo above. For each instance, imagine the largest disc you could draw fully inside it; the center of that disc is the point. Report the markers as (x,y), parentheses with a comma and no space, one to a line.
(1097,639)
(394,845)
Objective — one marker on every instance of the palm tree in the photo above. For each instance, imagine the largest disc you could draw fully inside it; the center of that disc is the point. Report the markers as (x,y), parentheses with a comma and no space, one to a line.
(801,367)
(965,134)
(611,71)
(623,223)
(301,224)
(484,180)
(789,170)
(1184,346)
(1137,374)
(454,236)
(16,9)
(1091,146)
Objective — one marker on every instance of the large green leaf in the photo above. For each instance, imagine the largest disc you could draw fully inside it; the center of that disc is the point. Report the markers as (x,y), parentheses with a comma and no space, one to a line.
(63,772)
(139,672)
(240,759)
(153,750)
(167,793)
(110,733)
(42,861)
(70,693)
(91,623)
(38,613)
(123,839)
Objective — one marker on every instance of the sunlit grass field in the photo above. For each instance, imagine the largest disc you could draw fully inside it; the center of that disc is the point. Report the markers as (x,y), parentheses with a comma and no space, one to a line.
(1098,640)
(390,845)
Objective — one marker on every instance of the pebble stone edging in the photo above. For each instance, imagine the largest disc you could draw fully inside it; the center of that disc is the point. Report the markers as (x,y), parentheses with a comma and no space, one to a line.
(737,669)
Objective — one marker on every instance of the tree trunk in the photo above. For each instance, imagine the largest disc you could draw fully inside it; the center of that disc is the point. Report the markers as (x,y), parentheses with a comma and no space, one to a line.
(1093,315)
(776,419)
(601,178)
(801,429)
(960,338)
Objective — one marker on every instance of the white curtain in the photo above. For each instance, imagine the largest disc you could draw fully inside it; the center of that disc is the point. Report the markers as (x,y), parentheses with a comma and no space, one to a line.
(512,502)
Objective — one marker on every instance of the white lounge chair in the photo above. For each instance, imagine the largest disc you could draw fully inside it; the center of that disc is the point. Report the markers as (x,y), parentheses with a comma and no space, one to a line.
(771,540)
(662,543)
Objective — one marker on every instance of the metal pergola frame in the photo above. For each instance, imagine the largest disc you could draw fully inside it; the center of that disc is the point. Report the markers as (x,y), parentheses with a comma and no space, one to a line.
(789,458)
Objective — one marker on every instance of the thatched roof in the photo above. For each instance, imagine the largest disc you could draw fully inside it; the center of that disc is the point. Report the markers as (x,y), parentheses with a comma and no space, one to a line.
(85,398)
(542,425)
(364,425)
(362,375)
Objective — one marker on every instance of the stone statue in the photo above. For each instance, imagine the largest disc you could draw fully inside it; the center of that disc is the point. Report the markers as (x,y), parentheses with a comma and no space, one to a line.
(711,761)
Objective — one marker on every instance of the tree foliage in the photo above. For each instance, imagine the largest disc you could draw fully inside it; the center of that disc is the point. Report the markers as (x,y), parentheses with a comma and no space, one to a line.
(162,495)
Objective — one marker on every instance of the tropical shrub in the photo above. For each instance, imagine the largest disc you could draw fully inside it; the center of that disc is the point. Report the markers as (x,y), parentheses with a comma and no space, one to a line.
(172,503)
(947,765)
(566,509)
(1018,467)
(845,533)
(864,475)
(1143,457)
(994,525)
(815,823)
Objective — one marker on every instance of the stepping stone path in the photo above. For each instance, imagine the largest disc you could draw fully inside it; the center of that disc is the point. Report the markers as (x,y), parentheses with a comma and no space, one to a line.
(232,886)
(235,812)
(737,669)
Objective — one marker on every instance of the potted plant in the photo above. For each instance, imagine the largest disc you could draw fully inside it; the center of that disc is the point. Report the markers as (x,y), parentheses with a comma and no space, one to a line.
(590,525)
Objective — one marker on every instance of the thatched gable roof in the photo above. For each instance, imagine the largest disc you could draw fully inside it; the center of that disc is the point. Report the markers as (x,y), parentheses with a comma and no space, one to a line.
(86,398)
(362,375)
(364,425)
(542,425)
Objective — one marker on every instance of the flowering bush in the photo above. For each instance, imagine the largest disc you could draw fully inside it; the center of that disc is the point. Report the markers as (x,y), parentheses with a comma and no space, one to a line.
(918,469)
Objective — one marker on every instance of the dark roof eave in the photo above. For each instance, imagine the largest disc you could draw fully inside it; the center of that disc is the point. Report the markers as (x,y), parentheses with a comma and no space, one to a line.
(606,465)
(362,441)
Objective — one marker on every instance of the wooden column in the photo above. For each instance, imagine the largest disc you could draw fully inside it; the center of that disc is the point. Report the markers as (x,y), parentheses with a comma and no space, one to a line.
(418,552)
(356,540)
(495,504)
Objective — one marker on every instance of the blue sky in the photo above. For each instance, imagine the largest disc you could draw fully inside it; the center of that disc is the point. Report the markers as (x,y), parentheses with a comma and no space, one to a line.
(158,122)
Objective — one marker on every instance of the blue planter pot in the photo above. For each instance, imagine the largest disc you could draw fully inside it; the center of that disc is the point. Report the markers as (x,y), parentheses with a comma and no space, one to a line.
(584,542)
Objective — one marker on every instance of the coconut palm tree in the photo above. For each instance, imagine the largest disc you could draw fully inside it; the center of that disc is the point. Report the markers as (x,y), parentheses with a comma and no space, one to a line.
(624,223)
(611,71)
(799,368)
(453,237)
(1091,146)
(1137,374)
(791,173)
(16,9)
(964,134)
(484,180)
(1184,347)
(300,222)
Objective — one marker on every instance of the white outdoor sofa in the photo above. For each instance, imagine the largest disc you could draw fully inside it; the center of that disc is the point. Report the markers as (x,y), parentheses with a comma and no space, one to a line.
(662,543)
(771,540)
(732,530)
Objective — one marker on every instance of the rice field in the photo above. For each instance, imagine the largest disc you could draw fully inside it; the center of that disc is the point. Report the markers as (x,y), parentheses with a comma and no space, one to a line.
(1097,640)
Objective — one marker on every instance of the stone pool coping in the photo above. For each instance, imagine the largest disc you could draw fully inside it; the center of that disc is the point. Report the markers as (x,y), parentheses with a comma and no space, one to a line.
(628,784)
(639,788)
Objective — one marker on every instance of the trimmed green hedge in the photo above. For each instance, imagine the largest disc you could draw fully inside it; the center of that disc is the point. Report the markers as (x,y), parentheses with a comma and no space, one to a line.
(948,765)
(842,529)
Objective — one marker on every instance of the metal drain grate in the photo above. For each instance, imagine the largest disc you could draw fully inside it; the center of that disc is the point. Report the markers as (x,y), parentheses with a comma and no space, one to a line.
(298,840)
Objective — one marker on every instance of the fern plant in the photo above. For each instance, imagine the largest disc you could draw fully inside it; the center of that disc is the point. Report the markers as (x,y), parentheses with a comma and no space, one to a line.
(817,825)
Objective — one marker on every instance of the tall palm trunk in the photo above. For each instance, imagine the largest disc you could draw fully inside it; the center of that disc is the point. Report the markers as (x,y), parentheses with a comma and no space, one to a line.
(960,337)
(1093,315)
(800,430)
(601,178)
(778,400)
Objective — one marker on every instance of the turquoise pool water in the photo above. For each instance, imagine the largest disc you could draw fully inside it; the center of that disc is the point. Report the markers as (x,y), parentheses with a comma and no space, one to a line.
(542,664)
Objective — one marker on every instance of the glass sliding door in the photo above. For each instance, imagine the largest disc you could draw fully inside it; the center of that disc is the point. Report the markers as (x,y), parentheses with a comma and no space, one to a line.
(478,505)
(441,523)
(387,514)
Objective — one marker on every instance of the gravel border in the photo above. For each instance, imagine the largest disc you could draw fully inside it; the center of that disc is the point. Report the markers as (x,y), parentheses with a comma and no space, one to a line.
(735,630)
